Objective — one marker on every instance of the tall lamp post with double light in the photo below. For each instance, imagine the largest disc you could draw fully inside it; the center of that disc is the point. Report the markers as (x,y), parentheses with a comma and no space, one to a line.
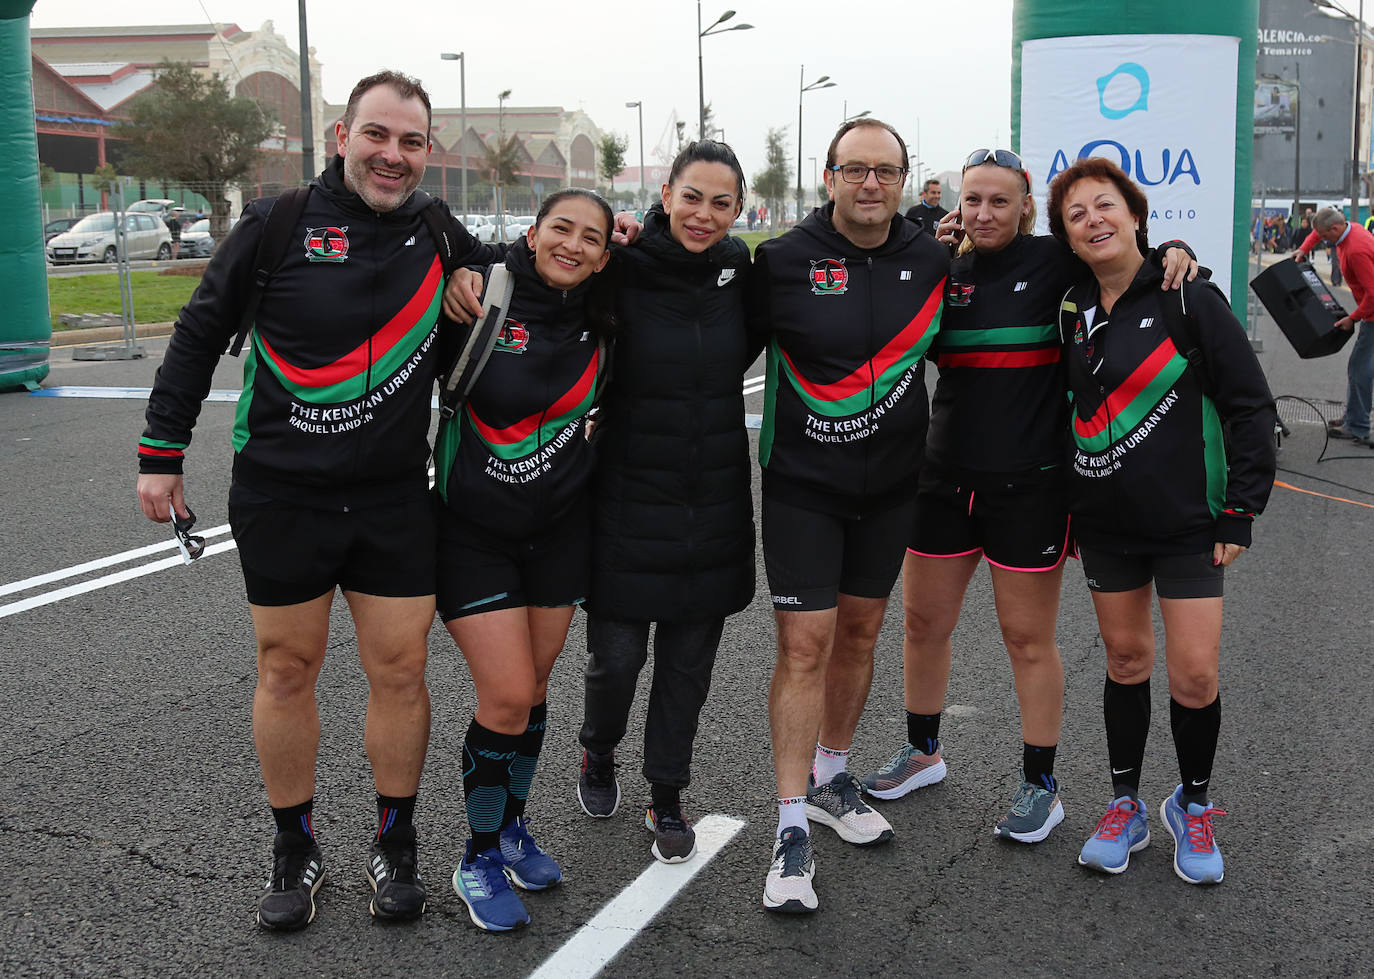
(643,195)
(802,88)
(462,124)
(701,71)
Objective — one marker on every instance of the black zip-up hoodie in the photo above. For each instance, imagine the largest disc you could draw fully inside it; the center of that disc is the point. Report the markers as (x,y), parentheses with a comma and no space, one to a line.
(339,370)
(846,329)
(517,452)
(1150,464)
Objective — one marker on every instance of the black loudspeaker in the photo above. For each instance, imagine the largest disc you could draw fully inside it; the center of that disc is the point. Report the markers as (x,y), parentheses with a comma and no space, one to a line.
(1302,306)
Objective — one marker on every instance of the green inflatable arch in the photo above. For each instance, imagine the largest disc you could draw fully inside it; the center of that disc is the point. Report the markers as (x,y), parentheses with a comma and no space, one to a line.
(25,326)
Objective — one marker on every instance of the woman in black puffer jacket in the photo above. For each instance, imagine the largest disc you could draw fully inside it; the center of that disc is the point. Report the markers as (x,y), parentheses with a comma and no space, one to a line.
(673,537)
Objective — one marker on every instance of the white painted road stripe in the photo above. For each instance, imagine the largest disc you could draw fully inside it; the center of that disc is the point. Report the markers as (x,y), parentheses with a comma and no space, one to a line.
(617,924)
(98,563)
(128,574)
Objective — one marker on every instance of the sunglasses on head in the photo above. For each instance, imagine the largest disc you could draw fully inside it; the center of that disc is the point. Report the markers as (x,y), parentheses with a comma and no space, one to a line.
(190,545)
(1002,158)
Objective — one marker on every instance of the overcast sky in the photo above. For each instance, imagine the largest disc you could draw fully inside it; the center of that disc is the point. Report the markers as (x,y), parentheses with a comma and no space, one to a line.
(941,68)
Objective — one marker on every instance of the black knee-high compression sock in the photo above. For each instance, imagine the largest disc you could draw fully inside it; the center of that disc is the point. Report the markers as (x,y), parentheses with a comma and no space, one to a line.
(1195,742)
(1126,710)
(487,757)
(526,759)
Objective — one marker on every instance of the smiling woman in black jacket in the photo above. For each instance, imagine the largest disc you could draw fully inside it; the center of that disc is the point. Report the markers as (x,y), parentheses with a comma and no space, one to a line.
(673,531)
(1159,496)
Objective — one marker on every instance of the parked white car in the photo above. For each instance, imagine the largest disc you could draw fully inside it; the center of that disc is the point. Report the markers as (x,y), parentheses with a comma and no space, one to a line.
(479,227)
(159,206)
(92,239)
(513,228)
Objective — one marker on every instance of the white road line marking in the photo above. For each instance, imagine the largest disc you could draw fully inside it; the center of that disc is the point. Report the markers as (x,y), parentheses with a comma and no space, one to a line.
(128,574)
(616,925)
(119,393)
(98,563)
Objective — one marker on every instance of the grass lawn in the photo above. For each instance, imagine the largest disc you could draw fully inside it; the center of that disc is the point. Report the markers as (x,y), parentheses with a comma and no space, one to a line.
(157,297)
(752,238)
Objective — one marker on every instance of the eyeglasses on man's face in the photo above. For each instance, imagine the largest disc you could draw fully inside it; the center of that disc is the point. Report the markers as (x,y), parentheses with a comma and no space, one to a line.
(857,173)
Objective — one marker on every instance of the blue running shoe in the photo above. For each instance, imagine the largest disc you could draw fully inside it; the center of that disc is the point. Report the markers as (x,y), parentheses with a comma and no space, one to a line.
(1197,858)
(527,866)
(1121,832)
(481,883)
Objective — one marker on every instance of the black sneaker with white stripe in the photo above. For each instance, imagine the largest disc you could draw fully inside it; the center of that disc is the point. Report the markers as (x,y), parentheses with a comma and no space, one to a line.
(297,873)
(398,890)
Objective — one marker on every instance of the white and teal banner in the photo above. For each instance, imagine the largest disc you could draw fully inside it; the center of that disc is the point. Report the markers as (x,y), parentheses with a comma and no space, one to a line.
(1164,90)
(1125,98)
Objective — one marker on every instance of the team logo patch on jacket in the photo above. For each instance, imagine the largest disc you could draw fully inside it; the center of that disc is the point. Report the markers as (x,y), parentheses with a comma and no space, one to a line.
(829,277)
(326,244)
(958,293)
(514,337)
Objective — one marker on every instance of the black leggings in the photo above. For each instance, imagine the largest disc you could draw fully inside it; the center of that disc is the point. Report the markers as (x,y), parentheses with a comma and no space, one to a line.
(684,653)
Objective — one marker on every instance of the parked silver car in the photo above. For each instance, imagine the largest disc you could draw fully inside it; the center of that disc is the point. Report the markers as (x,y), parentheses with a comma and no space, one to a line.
(92,239)
(196,241)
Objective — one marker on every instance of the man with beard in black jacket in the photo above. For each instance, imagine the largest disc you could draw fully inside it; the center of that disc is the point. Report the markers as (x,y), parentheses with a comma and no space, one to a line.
(330,486)
(847,304)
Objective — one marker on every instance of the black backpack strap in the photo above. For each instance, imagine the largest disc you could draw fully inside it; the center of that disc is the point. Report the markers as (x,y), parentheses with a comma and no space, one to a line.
(277,233)
(1183,331)
(462,376)
(434,214)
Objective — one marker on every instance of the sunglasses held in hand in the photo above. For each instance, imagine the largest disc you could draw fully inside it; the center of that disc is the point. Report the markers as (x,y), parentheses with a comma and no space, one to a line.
(190,545)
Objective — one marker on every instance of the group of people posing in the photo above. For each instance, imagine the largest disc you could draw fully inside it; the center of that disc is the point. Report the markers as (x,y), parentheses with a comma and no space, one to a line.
(601,460)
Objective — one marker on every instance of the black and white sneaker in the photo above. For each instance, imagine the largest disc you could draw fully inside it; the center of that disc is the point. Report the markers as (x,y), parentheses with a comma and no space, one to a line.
(297,873)
(674,839)
(598,792)
(398,891)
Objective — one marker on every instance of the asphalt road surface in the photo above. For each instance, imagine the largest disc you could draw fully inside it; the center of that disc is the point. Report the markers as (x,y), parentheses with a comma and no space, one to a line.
(140,837)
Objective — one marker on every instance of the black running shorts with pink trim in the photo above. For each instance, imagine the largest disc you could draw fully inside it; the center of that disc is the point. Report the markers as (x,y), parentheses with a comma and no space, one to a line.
(1018,521)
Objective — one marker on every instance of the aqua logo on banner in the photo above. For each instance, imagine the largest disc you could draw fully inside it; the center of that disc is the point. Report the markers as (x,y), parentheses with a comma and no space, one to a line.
(1142,101)
(1174,164)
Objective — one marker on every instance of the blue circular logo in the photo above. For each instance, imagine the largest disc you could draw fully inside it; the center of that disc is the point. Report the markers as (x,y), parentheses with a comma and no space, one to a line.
(1142,101)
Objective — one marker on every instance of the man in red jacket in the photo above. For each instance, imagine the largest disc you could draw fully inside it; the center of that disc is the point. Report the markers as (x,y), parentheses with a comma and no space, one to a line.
(1355,252)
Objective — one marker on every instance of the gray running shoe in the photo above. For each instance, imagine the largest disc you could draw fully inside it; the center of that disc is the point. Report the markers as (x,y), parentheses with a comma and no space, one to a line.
(788,887)
(1035,811)
(839,804)
(905,771)
(598,792)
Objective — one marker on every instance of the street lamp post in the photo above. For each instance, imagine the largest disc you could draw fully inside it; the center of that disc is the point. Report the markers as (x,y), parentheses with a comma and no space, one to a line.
(701,72)
(802,88)
(307,124)
(500,156)
(643,195)
(1355,182)
(462,124)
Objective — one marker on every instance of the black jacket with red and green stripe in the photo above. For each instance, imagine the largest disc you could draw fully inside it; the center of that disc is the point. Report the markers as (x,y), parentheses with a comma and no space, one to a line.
(999,405)
(516,451)
(339,369)
(846,328)
(1152,471)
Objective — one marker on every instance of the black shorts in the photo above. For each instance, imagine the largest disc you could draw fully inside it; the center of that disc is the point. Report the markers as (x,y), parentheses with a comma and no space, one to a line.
(811,557)
(1018,522)
(292,554)
(481,572)
(1174,575)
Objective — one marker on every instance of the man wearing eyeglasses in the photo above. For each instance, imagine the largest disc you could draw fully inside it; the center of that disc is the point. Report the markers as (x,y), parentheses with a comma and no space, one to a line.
(847,304)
